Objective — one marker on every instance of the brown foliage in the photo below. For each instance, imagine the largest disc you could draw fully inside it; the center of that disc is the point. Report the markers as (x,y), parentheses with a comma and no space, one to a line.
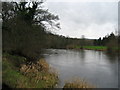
(77,83)
(39,66)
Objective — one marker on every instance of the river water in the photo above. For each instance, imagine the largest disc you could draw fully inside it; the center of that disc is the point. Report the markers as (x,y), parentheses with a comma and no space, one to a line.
(96,67)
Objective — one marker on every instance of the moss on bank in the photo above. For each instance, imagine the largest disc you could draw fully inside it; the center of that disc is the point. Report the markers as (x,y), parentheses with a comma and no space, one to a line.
(17,73)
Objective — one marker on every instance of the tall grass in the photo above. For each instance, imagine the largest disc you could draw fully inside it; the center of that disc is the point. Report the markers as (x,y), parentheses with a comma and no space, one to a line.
(78,83)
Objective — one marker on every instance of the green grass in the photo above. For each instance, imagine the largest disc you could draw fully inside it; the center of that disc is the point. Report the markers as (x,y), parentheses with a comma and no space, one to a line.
(95,47)
(11,76)
(14,78)
(92,47)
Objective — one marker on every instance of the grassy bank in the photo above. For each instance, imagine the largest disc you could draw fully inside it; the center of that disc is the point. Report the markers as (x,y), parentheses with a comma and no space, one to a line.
(100,48)
(18,73)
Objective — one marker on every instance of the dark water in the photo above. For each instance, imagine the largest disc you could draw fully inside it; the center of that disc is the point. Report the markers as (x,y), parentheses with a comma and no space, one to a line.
(96,67)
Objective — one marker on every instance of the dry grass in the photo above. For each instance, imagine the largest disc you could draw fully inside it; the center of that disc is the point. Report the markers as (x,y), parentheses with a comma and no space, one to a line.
(78,83)
(39,66)
(39,71)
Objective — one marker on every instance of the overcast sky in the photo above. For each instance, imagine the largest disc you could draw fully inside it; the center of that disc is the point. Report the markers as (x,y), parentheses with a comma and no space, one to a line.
(92,19)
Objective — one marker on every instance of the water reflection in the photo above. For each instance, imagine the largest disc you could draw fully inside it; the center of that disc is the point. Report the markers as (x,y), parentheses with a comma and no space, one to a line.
(82,54)
(97,67)
(111,56)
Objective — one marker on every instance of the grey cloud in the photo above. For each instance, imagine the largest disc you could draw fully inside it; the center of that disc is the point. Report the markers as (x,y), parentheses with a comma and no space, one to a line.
(85,18)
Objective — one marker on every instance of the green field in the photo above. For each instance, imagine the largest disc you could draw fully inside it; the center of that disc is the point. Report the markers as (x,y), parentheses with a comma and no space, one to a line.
(95,47)
(92,47)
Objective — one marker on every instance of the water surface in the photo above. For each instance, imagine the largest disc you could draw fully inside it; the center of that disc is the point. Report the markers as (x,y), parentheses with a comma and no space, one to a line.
(96,67)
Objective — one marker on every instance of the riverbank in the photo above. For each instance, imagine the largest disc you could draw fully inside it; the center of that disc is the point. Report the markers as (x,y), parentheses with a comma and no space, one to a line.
(18,73)
(98,48)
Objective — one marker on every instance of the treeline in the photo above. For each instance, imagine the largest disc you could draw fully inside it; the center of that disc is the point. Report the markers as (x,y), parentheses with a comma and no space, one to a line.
(23,29)
(111,41)
(62,42)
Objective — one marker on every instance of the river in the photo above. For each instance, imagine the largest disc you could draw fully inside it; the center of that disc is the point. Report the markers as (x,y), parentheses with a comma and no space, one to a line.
(96,67)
